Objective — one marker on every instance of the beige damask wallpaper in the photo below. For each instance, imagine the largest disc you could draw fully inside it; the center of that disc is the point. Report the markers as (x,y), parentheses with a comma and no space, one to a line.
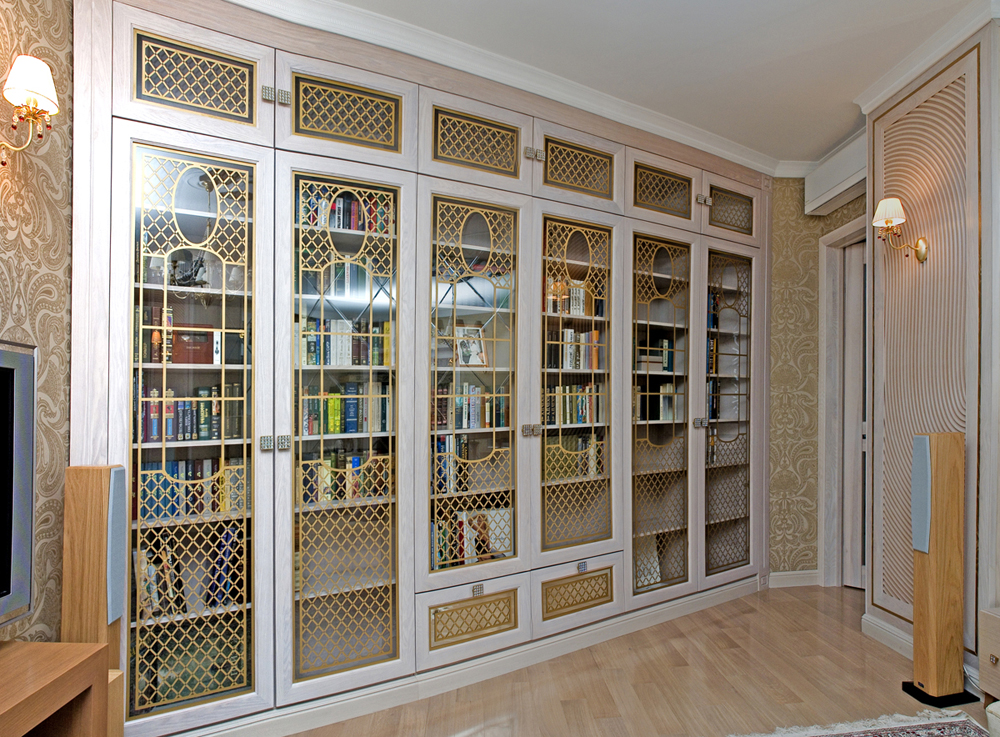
(35,200)
(794,451)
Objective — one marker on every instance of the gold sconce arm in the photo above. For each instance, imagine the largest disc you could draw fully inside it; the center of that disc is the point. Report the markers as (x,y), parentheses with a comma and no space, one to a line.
(920,249)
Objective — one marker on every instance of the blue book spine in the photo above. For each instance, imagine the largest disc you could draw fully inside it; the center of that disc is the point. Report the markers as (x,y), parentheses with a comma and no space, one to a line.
(351,408)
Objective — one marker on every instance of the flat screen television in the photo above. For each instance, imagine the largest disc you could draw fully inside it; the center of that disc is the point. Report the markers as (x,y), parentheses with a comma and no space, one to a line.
(17,473)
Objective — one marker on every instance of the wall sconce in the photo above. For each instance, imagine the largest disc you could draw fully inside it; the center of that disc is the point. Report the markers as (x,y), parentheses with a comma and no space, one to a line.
(889,216)
(29,88)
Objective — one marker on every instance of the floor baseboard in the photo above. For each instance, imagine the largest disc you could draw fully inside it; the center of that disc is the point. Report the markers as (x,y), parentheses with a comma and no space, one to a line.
(786,579)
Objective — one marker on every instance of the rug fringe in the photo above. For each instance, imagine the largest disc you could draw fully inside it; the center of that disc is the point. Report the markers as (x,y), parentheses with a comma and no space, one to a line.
(887,720)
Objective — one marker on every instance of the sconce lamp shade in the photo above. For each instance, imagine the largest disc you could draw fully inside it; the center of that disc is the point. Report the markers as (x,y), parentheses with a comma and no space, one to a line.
(29,84)
(889,213)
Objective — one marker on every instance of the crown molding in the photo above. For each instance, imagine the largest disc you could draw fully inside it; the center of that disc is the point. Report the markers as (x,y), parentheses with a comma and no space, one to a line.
(364,25)
(793,169)
(969,20)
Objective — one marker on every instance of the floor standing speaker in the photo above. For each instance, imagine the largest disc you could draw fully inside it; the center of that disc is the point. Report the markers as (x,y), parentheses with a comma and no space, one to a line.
(937,507)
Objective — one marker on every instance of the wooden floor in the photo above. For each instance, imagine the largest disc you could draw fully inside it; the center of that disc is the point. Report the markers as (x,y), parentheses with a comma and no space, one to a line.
(779,658)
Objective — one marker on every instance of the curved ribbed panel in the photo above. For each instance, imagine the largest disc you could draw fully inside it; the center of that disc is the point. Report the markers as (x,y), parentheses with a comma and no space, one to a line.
(925,308)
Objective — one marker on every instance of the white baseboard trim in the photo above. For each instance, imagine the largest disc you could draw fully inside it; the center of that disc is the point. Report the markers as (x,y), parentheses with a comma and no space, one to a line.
(893,637)
(321,712)
(786,579)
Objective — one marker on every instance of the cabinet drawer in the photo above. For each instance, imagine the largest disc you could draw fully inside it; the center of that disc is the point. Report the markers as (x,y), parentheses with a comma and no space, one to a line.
(989,649)
(465,621)
(574,594)
(349,113)
(474,142)
(177,75)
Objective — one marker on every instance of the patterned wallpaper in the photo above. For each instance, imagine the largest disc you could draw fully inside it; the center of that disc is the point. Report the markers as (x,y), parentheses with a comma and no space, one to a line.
(35,200)
(794,451)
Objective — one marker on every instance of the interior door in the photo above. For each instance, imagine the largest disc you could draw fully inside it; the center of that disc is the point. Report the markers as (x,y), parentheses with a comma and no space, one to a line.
(854,420)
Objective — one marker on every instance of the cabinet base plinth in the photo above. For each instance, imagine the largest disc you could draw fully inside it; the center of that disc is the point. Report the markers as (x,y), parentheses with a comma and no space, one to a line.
(940,702)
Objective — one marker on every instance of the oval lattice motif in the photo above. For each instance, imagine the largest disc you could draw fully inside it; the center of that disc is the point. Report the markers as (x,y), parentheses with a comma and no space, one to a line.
(196,205)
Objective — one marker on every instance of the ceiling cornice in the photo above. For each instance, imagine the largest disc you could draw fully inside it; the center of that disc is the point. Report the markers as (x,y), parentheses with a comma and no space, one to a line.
(973,17)
(364,25)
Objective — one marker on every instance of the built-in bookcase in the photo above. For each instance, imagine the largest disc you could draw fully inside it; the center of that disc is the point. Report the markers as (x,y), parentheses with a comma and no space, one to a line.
(192,421)
(344,385)
(473,496)
(576,505)
(660,480)
(727,409)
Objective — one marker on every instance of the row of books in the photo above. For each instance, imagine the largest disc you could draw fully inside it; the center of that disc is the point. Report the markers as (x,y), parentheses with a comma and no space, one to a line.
(345,475)
(335,342)
(362,408)
(451,476)
(571,350)
(573,456)
(664,403)
(471,536)
(713,399)
(658,357)
(470,408)
(345,212)
(712,352)
(577,404)
(576,301)
(170,419)
(197,486)
(714,303)
(171,583)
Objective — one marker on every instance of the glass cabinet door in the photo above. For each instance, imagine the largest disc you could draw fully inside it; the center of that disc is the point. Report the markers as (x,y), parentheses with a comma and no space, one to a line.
(660,479)
(344,339)
(473,339)
(191,624)
(727,394)
(576,502)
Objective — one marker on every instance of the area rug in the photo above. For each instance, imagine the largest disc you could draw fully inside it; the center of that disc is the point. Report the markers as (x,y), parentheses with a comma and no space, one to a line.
(924,724)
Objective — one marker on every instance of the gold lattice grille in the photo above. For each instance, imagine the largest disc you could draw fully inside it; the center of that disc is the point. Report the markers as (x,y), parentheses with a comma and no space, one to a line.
(342,112)
(576,468)
(473,500)
(186,77)
(663,191)
(727,474)
(479,143)
(731,210)
(470,619)
(575,593)
(344,539)
(661,292)
(191,602)
(580,169)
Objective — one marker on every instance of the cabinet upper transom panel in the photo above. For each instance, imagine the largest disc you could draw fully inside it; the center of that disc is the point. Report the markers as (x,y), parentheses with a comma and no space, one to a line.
(347,113)
(579,168)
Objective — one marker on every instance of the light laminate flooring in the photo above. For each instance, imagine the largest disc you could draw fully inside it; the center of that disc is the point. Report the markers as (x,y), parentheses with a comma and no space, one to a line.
(778,658)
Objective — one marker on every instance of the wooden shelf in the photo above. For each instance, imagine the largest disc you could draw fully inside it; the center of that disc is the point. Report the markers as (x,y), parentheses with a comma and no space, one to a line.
(344,436)
(183,520)
(472,492)
(150,287)
(331,505)
(375,583)
(153,444)
(468,430)
(191,616)
(574,480)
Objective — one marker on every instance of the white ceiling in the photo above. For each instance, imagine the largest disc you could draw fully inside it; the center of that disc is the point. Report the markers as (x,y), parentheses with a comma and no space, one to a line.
(778,77)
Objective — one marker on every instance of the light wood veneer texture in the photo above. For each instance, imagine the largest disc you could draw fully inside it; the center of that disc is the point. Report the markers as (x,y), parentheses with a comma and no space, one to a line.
(778,658)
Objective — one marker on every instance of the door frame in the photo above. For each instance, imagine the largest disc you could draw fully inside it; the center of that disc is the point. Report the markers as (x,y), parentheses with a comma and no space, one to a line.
(830,523)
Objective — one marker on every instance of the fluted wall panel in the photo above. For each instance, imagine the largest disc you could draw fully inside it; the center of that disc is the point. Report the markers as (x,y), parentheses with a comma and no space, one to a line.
(926,316)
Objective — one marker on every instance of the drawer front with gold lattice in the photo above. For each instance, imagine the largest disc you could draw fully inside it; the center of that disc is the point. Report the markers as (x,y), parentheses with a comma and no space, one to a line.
(470,619)
(478,143)
(571,594)
(193,79)
(731,211)
(346,113)
(579,169)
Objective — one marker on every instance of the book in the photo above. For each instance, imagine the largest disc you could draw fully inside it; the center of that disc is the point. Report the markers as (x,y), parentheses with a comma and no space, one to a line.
(351,407)
(204,414)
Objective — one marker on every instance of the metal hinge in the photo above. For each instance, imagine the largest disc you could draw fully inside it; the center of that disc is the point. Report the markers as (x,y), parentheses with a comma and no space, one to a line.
(284,442)
(581,567)
(267,93)
(701,422)
(531,430)
(284,97)
(477,589)
(537,154)
(267,442)
(703,199)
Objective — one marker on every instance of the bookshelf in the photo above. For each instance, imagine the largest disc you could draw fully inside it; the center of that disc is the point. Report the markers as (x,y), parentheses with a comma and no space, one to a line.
(576,504)
(344,383)
(727,408)
(472,495)
(661,485)
(190,624)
